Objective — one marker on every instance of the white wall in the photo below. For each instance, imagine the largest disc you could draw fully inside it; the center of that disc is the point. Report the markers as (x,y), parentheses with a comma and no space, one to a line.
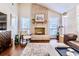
(71,22)
(53,13)
(77,18)
(24,11)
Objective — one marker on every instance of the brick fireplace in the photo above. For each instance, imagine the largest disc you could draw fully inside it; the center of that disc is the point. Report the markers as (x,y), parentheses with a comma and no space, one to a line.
(39,31)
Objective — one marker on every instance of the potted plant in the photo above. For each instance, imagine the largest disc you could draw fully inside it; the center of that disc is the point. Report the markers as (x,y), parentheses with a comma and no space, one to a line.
(16,39)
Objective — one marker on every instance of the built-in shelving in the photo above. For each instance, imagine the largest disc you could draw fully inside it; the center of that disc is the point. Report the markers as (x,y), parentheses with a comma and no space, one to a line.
(3,21)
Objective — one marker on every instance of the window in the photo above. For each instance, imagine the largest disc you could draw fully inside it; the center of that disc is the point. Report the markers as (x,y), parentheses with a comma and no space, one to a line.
(25,24)
(53,24)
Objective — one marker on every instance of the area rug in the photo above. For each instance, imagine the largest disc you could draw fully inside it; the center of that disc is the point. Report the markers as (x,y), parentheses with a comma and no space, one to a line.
(39,49)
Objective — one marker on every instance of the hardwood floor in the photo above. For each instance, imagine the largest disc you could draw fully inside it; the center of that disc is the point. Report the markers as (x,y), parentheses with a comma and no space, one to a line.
(13,51)
(16,50)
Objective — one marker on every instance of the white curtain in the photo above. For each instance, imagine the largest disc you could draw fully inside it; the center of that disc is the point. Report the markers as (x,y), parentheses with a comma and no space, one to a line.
(14,27)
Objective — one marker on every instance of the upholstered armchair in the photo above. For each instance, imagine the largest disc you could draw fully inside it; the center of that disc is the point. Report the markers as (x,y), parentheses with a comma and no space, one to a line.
(24,37)
(22,34)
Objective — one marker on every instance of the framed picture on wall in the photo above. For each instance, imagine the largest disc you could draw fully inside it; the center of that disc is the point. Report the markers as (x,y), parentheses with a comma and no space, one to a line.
(39,18)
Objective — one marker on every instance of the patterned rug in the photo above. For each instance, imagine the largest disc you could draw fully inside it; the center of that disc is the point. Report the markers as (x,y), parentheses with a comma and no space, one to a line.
(39,49)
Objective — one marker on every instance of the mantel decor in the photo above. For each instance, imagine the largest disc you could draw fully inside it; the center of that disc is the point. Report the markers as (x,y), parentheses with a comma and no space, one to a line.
(33,20)
(39,18)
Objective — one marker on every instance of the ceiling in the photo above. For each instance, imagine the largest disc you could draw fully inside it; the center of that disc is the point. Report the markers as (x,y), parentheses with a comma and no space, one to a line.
(59,7)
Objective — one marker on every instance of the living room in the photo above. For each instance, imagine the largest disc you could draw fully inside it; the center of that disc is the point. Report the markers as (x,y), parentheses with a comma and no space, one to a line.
(28,26)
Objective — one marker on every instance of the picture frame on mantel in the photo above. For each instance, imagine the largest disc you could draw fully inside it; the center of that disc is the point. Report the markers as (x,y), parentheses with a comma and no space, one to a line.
(39,18)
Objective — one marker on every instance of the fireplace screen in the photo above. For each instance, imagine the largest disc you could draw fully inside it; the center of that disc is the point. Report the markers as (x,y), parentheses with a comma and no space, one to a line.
(39,31)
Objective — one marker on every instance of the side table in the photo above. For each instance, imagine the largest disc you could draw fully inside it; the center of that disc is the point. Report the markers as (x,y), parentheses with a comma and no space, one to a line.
(27,38)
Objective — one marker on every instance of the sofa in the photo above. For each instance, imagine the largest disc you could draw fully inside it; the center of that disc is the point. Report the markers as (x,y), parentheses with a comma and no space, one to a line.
(69,37)
(5,40)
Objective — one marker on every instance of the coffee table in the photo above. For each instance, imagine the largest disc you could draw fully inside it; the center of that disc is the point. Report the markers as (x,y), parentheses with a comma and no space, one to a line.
(67,51)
